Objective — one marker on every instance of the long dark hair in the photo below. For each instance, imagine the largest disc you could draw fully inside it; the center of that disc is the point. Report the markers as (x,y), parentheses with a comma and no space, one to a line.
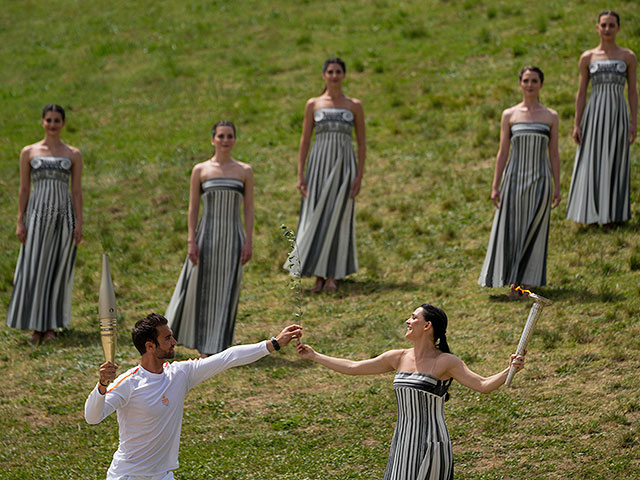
(439,321)
(52,107)
(609,12)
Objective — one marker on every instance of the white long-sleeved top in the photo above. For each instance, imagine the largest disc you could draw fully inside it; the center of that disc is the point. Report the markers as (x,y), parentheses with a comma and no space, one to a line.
(149,408)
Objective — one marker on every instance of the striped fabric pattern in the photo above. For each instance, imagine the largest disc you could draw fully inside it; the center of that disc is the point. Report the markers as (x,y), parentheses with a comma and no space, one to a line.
(600,184)
(326,230)
(421,448)
(202,311)
(43,280)
(517,251)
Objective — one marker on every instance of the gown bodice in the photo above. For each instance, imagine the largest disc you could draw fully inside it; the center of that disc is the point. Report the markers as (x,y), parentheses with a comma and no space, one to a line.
(529,146)
(222,197)
(607,73)
(340,120)
(50,168)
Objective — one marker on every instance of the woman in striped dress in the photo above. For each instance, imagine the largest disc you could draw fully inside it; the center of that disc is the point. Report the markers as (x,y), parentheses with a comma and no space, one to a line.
(517,251)
(600,184)
(49,228)
(421,448)
(326,242)
(202,311)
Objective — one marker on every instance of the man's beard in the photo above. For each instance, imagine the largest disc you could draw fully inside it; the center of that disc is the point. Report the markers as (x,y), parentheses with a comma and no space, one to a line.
(165,354)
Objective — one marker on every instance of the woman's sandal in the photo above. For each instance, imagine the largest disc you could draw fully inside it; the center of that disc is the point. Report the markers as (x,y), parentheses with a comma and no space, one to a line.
(331,285)
(49,336)
(36,337)
(317,288)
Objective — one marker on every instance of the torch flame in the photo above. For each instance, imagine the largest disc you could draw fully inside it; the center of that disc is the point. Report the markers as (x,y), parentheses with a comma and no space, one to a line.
(521,290)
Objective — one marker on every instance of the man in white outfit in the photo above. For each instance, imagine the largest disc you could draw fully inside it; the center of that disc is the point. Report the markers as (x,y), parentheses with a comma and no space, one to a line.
(149,398)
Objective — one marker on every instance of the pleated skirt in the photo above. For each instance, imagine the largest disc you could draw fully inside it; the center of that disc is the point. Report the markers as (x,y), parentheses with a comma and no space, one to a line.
(601,179)
(43,279)
(202,311)
(326,245)
(517,251)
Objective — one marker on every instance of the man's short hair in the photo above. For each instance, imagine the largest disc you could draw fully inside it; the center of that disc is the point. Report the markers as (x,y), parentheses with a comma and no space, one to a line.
(146,330)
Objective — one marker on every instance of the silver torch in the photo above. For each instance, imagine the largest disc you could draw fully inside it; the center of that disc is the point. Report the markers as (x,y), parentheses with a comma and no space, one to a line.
(536,309)
(107,312)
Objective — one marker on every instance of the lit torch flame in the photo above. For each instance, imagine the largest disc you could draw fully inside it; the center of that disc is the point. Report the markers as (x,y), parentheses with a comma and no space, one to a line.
(520,289)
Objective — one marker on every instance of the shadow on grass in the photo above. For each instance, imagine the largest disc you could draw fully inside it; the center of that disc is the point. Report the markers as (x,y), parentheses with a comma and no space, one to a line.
(559,294)
(632,226)
(64,337)
(349,287)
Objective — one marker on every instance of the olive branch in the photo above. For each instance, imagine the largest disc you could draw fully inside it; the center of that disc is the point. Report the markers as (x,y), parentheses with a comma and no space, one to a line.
(295,271)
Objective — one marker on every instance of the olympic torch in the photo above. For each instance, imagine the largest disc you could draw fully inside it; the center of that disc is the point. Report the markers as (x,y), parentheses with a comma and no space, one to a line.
(536,309)
(107,312)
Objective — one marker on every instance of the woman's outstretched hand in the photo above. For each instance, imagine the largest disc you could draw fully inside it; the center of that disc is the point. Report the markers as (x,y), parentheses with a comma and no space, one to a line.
(305,351)
(517,361)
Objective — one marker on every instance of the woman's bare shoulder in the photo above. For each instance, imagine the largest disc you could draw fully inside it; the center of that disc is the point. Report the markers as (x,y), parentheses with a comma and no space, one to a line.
(246,168)
(31,149)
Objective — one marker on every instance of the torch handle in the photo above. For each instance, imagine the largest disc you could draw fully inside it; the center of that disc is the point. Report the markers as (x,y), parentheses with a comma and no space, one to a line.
(107,312)
(534,314)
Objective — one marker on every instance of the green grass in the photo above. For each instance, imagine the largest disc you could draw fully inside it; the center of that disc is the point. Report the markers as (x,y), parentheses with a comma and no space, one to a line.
(143,82)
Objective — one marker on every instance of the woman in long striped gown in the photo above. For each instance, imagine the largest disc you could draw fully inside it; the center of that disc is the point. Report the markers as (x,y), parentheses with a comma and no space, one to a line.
(421,448)
(49,228)
(600,184)
(202,311)
(326,242)
(517,251)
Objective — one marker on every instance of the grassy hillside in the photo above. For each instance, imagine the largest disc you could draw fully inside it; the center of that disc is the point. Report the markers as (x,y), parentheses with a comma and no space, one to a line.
(143,82)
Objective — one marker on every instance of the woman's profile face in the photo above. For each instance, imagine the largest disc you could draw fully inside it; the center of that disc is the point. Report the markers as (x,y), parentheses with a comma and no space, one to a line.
(224,139)
(52,122)
(530,83)
(334,74)
(415,323)
(608,27)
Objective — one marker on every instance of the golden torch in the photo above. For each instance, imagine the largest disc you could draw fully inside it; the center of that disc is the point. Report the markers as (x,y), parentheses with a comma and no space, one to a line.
(107,312)
(536,309)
